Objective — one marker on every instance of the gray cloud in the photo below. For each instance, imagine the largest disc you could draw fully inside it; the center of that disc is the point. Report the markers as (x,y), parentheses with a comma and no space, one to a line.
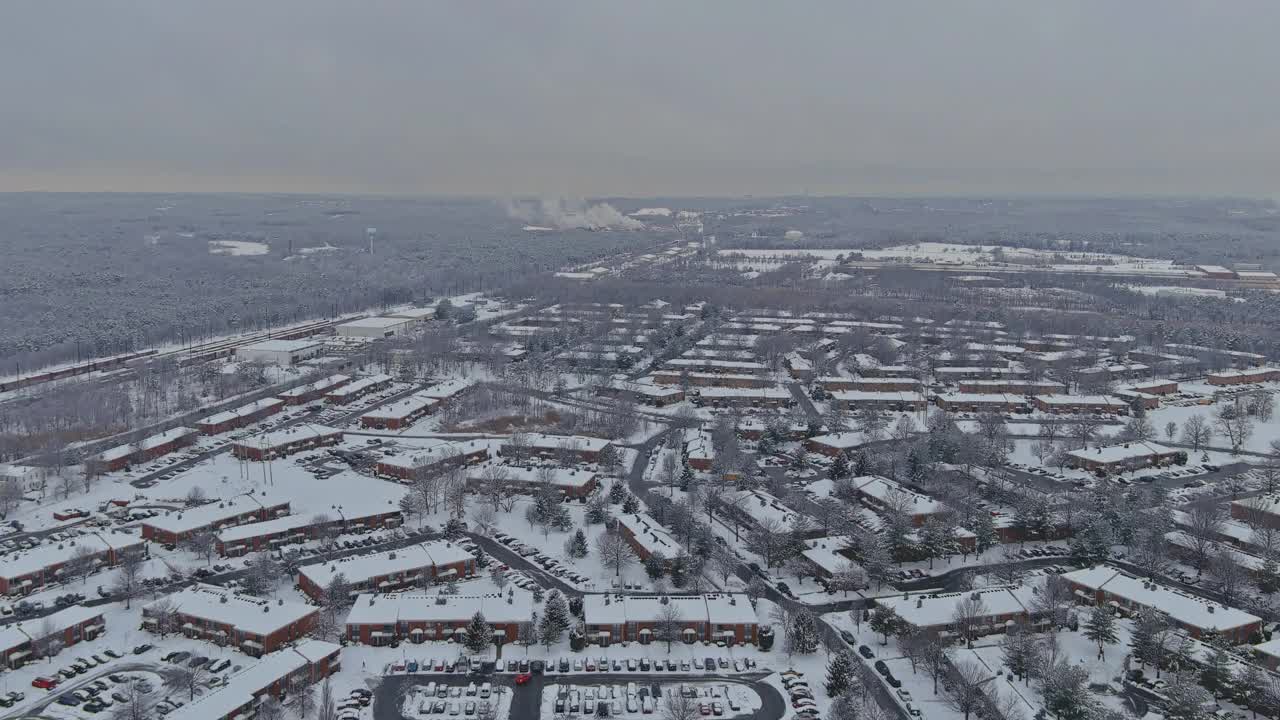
(650,98)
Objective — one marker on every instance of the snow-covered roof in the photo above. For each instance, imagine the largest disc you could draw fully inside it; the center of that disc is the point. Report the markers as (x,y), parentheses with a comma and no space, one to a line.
(1120,453)
(319,386)
(403,408)
(286,436)
(982,398)
(650,534)
(154,441)
(715,608)
(246,613)
(243,410)
(429,451)
(883,489)
(840,440)
(448,388)
(824,552)
(880,396)
(679,363)
(26,562)
(1182,607)
(389,609)
(183,521)
(24,631)
(557,476)
(541,441)
(938,609)
(761,505)
(361,568)
(770,393)
(1088,400)
(361,385)
(243,687)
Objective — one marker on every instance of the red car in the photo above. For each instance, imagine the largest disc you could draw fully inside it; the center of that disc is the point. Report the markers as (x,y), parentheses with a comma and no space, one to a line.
(44,683)
(523,678)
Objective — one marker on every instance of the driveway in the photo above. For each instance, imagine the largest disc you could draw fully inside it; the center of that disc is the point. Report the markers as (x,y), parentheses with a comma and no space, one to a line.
(527,701)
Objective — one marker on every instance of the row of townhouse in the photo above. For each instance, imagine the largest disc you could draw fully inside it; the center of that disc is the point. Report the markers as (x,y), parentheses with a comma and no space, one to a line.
(285,442)
(996,608)
(716,617)
(400,414)
(1076,404)
(1125,457)
(646,536)
(1248,376)
(313,391)
(377,619)
(256,626)
(274,676)
(564,448)
(271,534)
(573,482)
(28,571)
(432,458)
(1107,585)
(701,379)
(644,393)
(145,450)
(882,494)
(893,401)
(981,402)
(239,417)
(1011,387)
(20,642)
(765,397)
(390,571)
(711,365)
(174,526)
(352,391)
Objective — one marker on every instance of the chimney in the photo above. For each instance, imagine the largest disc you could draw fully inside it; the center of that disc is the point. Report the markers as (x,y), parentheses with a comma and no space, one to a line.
(1210,609)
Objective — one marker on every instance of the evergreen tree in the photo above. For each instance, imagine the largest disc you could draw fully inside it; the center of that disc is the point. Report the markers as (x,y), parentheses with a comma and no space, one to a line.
(655,566)
(839,467)
(617,492)
(577,545)
(479,634)
(1101,628)
(804,633)
(839,672)
(686,478)
(984,527)
(886,621)
(861,465)
(1268,576)
(630,505)
(555,619)
(680,570)
(597,509)
(1216,674)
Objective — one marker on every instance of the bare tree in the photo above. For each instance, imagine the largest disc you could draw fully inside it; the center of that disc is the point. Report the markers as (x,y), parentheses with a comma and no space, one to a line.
(202,544)
(181,677)
(965,694)
(327,707)
(675,706)
(615,552)
(10,497)
(48,641)
(1196,432)
(82,563)
(493,485)
(136,705)
(1204,525)
(669,623)
(128,581)
(968,616)
(1235,424)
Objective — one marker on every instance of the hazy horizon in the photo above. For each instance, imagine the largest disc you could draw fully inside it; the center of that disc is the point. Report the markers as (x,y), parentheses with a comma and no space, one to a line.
(1145,99)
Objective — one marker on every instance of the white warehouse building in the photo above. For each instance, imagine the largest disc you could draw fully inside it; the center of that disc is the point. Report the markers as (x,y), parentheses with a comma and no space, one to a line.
(279,352)
(374,327)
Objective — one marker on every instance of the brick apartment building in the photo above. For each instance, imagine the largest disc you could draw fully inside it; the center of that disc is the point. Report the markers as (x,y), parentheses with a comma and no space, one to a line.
(239,417)
(255,626)
(27,571)
(271,534)
(308,663)
(432,458)
(390,571)
(400,414)
(145,450)
(724,617)
(282,443)
(72,625)
(352,391)
(419,617)
(312,392)
(177,525)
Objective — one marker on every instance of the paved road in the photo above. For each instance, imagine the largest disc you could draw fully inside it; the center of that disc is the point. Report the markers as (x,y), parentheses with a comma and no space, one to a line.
(527,700)
(806,404)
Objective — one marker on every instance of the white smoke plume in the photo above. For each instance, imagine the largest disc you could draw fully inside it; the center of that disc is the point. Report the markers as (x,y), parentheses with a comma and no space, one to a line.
(563,214)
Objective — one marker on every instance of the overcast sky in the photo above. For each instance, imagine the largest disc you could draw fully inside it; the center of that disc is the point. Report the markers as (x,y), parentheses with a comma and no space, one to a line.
(642,98)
